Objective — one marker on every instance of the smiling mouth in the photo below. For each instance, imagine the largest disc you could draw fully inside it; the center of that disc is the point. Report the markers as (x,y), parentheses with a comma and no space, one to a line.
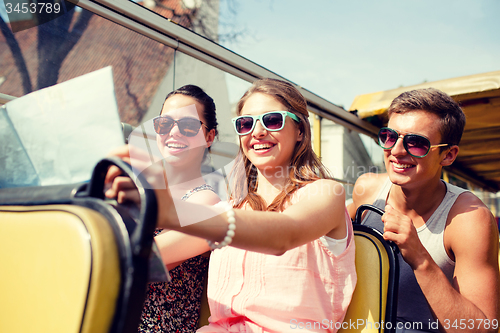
(402,166)
(262,146)
(175,145)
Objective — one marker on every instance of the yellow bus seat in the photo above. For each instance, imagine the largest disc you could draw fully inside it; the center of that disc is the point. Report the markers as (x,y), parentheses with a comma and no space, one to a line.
(60,270)
(374,302)
(72,262)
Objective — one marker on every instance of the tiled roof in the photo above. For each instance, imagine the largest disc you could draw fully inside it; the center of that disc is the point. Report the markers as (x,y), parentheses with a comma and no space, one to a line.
(139,63)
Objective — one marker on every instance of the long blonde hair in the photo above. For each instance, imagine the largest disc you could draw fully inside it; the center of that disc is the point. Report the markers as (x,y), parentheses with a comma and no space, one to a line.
(305,166)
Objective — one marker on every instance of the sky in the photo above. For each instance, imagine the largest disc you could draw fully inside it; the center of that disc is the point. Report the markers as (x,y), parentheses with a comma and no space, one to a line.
(341,49)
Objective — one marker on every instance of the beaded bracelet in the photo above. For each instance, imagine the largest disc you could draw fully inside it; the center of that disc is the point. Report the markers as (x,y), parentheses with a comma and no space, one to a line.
(231,226)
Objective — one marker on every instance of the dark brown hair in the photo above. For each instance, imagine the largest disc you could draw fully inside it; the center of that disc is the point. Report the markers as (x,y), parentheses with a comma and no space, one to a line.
(209,112)
(201,97)
(435,101)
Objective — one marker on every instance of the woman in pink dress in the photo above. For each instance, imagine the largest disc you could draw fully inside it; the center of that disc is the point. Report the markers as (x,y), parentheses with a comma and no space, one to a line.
(283,249)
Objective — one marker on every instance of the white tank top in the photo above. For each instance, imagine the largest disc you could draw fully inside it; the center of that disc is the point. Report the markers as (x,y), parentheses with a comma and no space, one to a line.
(412,306)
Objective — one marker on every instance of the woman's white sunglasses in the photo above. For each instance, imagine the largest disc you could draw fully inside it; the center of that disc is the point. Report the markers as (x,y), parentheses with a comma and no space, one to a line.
(272,121)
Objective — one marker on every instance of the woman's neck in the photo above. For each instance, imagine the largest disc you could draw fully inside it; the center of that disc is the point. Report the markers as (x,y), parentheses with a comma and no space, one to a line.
(270,184)
(183,178)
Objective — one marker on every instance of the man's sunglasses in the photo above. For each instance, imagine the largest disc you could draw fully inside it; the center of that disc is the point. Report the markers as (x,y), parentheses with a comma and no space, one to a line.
(187,126)
(272,121)
(416,145)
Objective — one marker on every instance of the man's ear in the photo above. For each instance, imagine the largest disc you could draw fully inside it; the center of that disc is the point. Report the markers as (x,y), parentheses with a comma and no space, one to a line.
(450,155)
(210,137)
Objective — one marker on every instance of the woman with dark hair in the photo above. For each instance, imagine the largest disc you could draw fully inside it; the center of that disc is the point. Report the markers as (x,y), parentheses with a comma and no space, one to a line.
(290,259)
(185,128)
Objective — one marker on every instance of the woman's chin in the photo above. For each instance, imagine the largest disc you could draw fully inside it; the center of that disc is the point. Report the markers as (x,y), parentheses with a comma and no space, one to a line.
(182,160)
(175,160)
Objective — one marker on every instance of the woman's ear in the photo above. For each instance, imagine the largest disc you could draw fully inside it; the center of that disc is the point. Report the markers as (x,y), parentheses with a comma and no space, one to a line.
(450,155)
(300,136)
(210,137)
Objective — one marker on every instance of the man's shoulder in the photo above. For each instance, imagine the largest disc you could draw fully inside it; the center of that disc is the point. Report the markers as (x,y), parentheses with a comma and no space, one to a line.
(367,187)
(372,179)
(468,205)
(470,217)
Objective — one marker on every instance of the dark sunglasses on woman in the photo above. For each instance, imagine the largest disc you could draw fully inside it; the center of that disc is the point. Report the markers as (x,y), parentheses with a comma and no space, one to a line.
(416,145)
(272,121)
(187,126)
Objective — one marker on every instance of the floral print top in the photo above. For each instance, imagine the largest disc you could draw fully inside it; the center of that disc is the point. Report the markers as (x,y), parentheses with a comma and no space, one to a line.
(175,307)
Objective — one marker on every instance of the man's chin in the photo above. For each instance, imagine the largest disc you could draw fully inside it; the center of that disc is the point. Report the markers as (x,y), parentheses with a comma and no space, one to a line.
(398,179)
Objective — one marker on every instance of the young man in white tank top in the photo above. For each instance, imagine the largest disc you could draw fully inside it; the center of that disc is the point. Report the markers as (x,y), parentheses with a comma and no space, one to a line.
(447,237)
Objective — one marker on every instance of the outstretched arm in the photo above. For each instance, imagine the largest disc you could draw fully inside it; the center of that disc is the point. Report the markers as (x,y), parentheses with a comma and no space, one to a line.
(320,211)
